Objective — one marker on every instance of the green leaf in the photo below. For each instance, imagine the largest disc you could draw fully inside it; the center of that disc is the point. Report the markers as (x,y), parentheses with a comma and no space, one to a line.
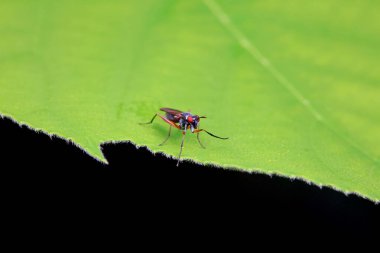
(295,85)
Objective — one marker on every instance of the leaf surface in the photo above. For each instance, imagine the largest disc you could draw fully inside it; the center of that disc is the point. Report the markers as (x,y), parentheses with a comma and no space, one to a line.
(295,85)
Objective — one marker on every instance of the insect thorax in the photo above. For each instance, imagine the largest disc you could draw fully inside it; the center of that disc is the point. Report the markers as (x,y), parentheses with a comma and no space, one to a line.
(185,124)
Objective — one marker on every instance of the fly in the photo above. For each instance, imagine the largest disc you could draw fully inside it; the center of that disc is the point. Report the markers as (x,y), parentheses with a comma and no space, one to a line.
(183,121)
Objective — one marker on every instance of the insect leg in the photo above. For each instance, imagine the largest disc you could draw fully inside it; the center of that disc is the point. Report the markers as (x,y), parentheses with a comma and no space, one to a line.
(169,121)
(200,143)
(180,151)
(150,122)
(213,135)
(162,117)
(167,138)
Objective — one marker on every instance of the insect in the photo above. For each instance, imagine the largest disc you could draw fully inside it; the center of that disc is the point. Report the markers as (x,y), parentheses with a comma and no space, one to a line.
(182,121)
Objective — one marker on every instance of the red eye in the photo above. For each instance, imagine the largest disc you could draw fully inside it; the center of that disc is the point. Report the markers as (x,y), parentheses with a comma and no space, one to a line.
(190,119)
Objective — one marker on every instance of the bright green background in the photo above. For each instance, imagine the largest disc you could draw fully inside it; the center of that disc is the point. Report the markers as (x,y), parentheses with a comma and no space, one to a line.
(294,84)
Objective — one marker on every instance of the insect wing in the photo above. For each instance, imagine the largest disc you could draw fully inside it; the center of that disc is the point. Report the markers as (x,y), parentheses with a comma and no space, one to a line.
(172,114)
(171,111)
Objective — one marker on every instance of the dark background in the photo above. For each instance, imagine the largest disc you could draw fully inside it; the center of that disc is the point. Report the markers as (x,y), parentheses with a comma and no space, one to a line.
(41,173)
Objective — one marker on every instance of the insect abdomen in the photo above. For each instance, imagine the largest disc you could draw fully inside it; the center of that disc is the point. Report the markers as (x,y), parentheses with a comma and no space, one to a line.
(172,117)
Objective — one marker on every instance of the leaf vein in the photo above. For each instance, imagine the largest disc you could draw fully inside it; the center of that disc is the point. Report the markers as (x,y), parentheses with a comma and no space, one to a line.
(244,42)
